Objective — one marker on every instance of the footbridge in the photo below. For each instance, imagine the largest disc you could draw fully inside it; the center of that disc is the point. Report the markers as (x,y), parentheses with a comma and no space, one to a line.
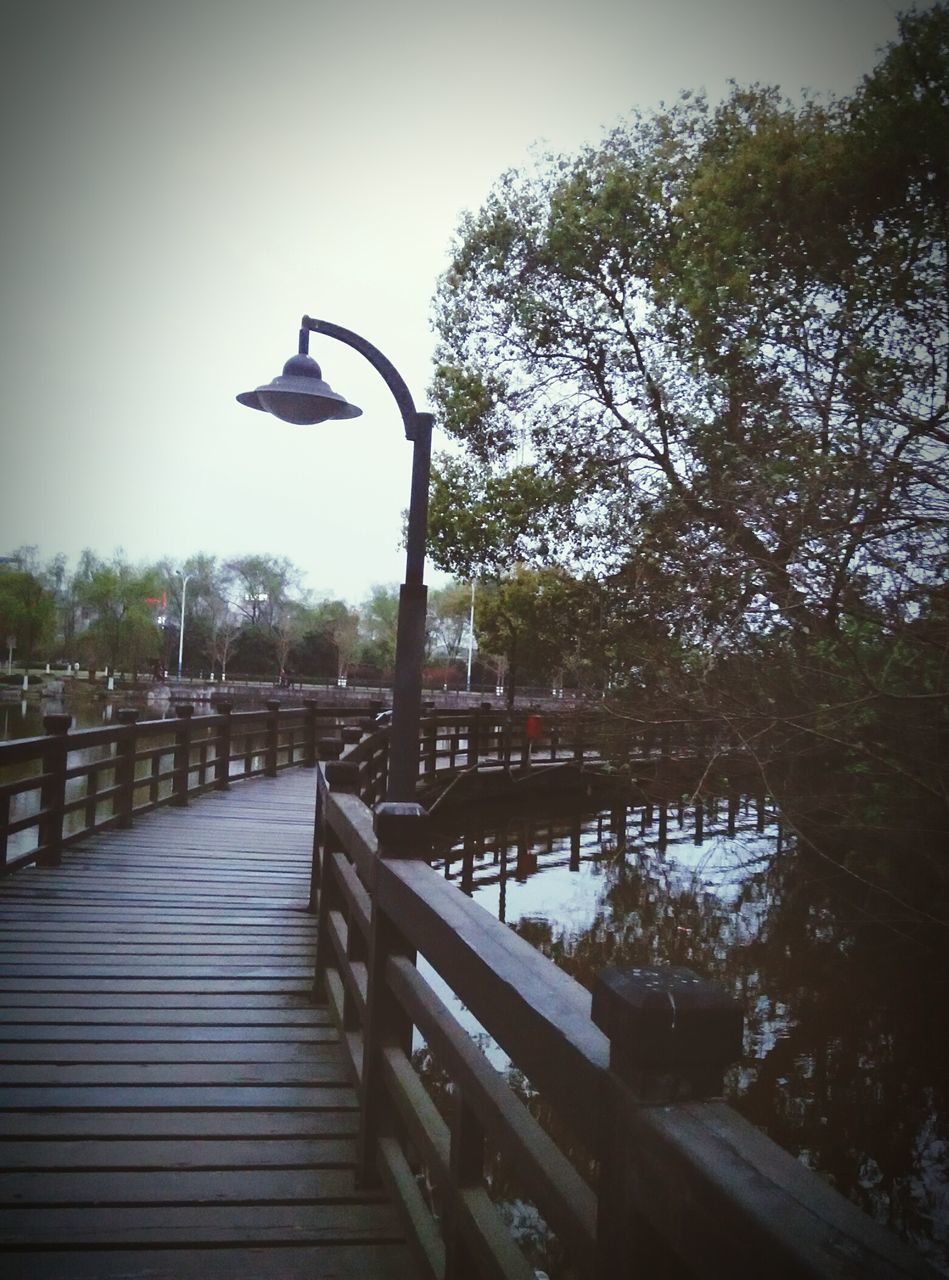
(221,955)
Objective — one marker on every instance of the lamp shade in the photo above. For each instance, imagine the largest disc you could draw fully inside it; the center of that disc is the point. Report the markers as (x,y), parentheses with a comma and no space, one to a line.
(300,395)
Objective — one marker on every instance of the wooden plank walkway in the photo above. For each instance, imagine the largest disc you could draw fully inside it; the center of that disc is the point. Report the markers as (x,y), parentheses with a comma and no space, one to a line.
(172,1102)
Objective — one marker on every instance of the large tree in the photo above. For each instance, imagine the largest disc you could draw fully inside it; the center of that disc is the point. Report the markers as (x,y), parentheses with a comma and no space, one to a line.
(330,636)
(708,358)
(449,613)
(378,623)
(537,621)
(27,611)
(114,596)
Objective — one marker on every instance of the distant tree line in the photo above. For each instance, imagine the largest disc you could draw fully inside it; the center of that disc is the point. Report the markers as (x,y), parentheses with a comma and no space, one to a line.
(249,616)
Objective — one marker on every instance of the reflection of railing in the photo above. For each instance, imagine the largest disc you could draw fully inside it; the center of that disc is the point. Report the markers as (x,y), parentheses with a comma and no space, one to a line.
(680,1183)
(59,787)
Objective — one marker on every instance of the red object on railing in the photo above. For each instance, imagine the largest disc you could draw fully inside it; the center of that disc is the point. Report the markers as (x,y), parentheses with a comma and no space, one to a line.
(534,726)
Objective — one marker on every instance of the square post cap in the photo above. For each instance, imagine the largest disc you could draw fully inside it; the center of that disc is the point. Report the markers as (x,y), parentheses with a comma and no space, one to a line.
(57,723)
(671,1033)
(403,829)
(343,775)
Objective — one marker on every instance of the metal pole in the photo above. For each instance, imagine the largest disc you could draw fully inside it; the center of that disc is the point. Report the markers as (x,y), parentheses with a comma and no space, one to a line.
(410,635)
(470,635)
(181,633)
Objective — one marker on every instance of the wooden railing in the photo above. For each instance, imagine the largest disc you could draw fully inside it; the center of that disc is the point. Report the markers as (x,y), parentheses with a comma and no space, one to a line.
(672,1181)
(451,743)
(675,1183)
(60,787)
(56,788)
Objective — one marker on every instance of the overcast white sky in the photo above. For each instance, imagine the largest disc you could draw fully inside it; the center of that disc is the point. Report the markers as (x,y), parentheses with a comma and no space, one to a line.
(184,179)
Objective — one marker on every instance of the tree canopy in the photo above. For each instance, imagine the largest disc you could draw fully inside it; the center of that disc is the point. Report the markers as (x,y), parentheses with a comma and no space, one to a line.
(707,359)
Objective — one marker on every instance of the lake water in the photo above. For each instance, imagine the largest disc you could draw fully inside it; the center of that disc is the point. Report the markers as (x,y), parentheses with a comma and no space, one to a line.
(846,1024)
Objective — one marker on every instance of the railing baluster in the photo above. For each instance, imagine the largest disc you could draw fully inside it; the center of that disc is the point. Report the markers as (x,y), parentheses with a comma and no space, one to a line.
(92,797)
(309,733)
(466,1163)
(182,765)
(154,780)
(124,803)
(222,750)
(273,737)
(53,790)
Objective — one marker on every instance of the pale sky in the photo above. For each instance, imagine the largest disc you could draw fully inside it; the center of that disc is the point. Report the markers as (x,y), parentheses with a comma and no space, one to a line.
(184,179)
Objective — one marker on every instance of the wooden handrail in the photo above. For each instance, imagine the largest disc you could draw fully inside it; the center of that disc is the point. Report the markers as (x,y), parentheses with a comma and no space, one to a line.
(677,1186)
(61,786)
(118,771)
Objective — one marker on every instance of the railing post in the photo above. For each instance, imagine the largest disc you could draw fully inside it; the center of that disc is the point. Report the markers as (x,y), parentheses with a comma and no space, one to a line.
(125,765)
(273,737)
(403,831)
(222,751)
(53,791)
(182,762)
(309,733)
(474,737)
(671,1034)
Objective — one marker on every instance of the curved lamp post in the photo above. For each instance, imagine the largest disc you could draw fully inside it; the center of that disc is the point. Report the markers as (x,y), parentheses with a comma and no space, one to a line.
(185,579)
(299,395)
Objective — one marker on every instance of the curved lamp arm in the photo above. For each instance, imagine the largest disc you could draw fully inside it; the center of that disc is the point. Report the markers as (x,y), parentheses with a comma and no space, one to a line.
(390,375)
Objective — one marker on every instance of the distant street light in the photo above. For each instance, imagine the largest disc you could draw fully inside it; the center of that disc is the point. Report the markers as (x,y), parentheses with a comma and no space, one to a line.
(299,395)
(185,579)
(470,634)
(11,640)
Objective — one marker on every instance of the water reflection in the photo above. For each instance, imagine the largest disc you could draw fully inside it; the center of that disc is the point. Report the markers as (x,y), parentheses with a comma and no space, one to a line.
(23,717)
(846,1015)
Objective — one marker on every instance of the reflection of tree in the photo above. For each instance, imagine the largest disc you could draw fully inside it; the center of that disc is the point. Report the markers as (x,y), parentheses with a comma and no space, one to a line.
(846,1012)
(539,1244)
(855,1080)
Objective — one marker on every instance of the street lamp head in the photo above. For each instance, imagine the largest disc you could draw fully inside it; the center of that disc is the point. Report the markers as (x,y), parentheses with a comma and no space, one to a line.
(300,395)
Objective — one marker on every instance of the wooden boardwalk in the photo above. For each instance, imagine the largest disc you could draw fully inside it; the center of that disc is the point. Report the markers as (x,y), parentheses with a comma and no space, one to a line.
(172,1102)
